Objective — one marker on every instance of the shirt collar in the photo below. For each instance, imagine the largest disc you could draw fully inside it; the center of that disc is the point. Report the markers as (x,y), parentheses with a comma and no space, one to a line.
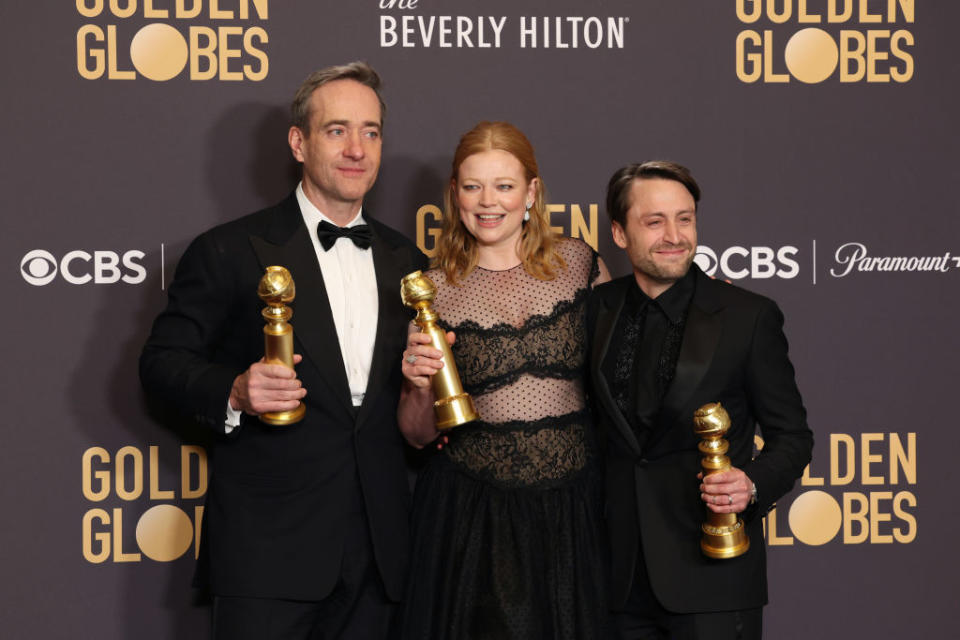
(313,216)
(674,301)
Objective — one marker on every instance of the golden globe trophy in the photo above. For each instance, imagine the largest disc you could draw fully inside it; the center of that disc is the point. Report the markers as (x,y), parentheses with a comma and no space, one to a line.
(724,535)
(276,289)
(453,406)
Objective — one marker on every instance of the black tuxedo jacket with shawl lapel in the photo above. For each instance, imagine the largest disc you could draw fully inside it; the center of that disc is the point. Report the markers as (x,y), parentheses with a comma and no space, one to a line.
(273,523)
(733,352)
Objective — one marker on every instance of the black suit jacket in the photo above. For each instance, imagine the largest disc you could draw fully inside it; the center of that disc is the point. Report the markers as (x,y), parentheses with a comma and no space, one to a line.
(733,352)
(278,496)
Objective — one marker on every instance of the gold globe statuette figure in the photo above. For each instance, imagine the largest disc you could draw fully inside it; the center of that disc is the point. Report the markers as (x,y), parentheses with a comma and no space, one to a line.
(724,534)
(276,289)
(453,406)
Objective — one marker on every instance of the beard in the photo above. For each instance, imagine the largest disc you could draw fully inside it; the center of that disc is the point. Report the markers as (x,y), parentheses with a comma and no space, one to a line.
(665,270)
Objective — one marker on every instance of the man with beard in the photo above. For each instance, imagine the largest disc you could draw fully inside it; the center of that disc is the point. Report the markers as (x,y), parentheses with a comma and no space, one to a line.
(666,340)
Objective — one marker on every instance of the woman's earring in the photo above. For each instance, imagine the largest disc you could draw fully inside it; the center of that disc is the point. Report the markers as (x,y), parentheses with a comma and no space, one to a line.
(526,214)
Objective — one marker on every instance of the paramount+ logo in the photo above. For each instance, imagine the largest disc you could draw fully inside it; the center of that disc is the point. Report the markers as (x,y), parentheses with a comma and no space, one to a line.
(853,40)
(164,39)
(736,263)
(39,267)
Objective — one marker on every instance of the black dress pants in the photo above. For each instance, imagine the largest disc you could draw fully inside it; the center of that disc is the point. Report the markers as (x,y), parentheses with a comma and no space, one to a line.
(356,609)
(644,618)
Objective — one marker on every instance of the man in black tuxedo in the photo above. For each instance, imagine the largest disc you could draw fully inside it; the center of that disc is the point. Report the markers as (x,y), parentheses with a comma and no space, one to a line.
(666,340)
(305,527)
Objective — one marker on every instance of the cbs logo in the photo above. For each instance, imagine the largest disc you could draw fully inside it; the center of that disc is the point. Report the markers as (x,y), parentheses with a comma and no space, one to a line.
(736,263)
(39,267)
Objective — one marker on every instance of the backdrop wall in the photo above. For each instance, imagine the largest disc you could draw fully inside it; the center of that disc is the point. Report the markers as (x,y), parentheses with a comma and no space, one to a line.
(822,132)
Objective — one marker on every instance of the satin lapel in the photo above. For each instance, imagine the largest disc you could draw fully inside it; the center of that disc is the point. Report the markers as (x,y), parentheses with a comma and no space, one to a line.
(313,326)
(700,338)
(607,317)
(388,264)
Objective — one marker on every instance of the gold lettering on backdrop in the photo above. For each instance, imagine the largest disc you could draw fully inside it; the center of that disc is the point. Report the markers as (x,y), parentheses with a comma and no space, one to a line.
(808,480)
(836,440)
(95,545)
(192,12)
(121,474)
(123,10)
(804,16)
(156,493)
(85,53)
(183,9)
(833,13)
(576,225)
(749,10)
(901,37)
(867,518)
(749,64)
(150,12)
(863,52)
(261,7)
(781,16)
(260,34)
(907,10)
(114,72)
(905,498)
(552,209)
(780,11)
(204,48)
(768,73)
(867,458)
(217,14)
(89,8)
(95,484)
(580,228)
(866,17)
(187,489)
(205,51)
(855,518)
(882,516)
(119,555)
(770,529)
(163,531)
(433,231)
(226,53)
(903,459)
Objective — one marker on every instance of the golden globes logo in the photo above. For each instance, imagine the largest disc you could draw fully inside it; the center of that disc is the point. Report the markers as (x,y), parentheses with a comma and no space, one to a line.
(124,529)
(223,46)
(865,496)
(868,48)
(576,224)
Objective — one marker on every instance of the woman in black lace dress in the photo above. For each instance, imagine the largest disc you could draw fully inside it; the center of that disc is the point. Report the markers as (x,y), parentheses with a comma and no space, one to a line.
(506,522)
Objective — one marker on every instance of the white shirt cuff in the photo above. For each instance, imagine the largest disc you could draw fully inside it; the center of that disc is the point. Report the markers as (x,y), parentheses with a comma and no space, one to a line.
(233,418)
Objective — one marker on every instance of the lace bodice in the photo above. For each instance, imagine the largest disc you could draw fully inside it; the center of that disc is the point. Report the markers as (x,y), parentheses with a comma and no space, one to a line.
(521,353)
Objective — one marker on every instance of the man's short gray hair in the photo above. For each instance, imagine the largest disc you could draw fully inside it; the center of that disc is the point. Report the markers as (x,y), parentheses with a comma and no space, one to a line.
(357,70)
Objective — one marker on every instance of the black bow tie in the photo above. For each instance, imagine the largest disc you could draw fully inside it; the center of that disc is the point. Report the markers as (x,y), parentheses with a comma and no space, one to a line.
(328,234)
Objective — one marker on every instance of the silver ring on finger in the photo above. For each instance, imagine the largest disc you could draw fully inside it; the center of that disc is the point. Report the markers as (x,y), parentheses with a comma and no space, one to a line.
(412,359)
(730,499)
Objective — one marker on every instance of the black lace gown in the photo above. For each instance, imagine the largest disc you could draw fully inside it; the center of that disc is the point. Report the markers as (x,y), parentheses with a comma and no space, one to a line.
(506,518)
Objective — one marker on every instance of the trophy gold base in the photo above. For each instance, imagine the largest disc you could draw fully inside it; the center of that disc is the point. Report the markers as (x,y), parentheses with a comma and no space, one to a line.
(724,541)
(454,411)
(284,418)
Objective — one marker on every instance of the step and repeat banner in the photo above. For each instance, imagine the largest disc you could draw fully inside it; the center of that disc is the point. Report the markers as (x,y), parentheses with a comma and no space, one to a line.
(823,133)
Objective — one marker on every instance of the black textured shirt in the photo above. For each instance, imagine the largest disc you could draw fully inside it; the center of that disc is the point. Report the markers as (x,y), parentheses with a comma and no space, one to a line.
(642,358)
